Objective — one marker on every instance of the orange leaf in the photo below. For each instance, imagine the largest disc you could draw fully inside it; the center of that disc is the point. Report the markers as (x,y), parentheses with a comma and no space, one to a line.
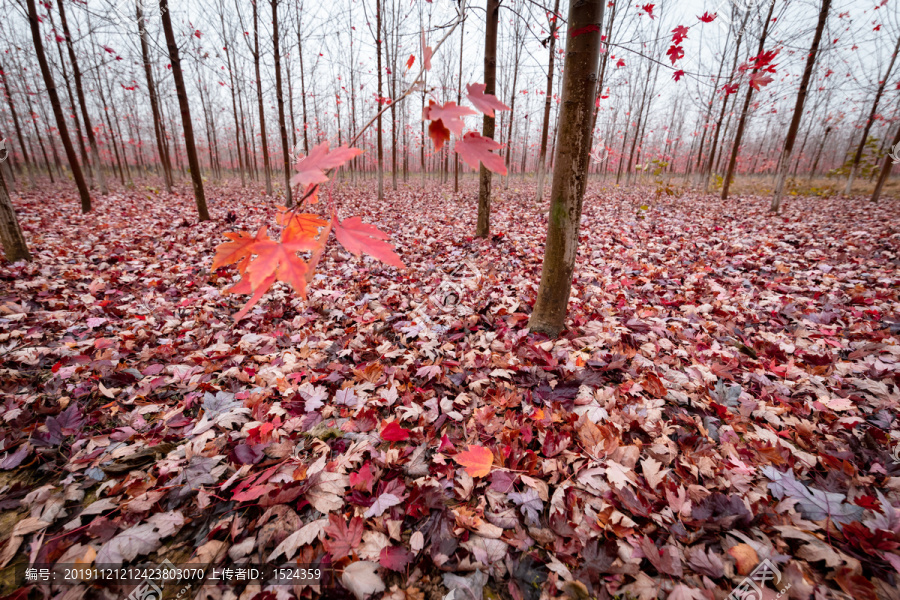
(745,556)
(357,237)
(298,228)
(477,460)
(239,249)
(280,260)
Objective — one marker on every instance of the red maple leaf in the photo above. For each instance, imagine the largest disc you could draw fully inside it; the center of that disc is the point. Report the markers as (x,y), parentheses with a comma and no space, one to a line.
(358,237)
(708,18)
(449,113)
(486,103)
(620,62)
(343,536)
(678,74)
(409,63)
(474,148)
(674,53)
(759,80)
(392,432)
(648,8)
(679,34)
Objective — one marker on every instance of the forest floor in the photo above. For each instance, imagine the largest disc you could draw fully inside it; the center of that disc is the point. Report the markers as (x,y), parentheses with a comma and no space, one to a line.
(726,392)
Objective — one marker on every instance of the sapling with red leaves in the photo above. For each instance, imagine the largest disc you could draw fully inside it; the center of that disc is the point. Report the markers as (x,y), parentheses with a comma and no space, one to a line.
(262,260)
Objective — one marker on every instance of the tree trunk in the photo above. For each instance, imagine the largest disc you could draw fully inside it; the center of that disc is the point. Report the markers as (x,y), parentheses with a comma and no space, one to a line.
(302,85)
(379,142)
(785,160)
(512,101)
(742,122)
(79,89)
(57,108)
(177,75)
(11,237)
(18,127)
(259,99)
(483,228)
(885,168)
(158,128)
(570,172)
(542,161)
(288,201)
(462,32)
(871,119)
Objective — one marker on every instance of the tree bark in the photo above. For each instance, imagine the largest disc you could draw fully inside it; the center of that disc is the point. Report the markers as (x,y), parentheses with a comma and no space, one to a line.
(742,122)
(785,160)
(17,126)
(885,169)
(57,108)
(14,245)
(158,127)
(542,161)
(570,172)
(178,76)
(483,228)
(279,97)
(462,33)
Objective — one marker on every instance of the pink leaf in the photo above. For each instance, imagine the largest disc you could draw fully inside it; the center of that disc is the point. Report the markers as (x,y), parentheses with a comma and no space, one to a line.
(311,168)
(358,237)
(486,103)
(759,80)
(450,114)
(474,148)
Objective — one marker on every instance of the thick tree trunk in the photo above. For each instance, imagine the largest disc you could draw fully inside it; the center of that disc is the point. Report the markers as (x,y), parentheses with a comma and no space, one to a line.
(14,246)
(785,160)
(483,228)
(177,75)
(570,172)
(742,121)
(279,97)
(79,89)
(57,108)
(542,161)
(267,169)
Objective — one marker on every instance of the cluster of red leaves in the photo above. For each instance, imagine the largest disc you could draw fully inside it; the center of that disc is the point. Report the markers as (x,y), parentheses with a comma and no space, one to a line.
(278,260)
(726,392)
(473,148)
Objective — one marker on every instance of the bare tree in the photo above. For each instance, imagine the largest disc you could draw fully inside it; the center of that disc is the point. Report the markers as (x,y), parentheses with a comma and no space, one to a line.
(14,245)
(181,92)
(542,160)
(33,21)
(279,97)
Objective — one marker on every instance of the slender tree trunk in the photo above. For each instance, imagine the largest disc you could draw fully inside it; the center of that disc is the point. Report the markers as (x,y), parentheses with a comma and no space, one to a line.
(79,89)
(14,246)
(462,33)
(871,119)
(237,123)
(742,121)
(886,166)
(542,161)
(302,85)
(378,107)
(177,75)
(158,128)
(570,173)
(267,169)
(785,160)
(483,228)
(279,97)
(57,107)
(512,102)
(16,125)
